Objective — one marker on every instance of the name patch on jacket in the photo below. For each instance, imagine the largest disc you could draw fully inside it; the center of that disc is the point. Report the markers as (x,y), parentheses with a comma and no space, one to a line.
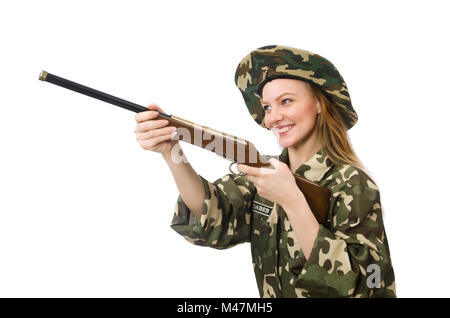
(260,208)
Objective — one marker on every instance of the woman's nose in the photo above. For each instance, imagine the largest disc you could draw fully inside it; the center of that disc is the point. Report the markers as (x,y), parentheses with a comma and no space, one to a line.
(274,116)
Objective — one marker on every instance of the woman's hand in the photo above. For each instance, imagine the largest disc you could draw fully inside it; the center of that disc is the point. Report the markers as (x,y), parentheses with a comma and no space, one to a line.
(276,185)
(153,134)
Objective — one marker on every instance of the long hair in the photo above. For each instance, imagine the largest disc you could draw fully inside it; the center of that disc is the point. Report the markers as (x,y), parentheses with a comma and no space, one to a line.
(333,133)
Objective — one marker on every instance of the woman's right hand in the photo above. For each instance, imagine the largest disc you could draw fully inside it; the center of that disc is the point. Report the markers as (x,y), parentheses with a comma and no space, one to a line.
(152,134)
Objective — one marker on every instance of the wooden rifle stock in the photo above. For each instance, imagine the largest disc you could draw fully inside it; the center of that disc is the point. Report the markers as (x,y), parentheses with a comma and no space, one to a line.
(230,147)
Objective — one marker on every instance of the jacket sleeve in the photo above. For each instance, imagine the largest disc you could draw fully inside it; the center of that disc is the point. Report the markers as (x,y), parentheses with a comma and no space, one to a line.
(351,259)
(225,219)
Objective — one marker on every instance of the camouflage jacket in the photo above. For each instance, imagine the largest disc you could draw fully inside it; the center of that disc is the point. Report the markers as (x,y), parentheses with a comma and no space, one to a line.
(350,256)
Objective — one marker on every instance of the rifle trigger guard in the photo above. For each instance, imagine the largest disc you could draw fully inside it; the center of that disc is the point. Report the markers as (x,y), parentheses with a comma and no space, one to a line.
(238,173)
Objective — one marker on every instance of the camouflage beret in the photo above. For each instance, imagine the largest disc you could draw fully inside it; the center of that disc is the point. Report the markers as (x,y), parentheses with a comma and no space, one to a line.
(274,61)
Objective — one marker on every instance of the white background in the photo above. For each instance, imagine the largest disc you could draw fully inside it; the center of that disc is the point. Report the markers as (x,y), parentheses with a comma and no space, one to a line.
(85,212)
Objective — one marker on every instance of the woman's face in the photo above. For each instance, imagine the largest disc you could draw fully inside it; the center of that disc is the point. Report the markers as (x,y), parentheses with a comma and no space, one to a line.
(290,110)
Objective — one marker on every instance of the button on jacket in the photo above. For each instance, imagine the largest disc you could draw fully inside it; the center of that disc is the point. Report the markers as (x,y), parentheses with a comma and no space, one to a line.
(350,256)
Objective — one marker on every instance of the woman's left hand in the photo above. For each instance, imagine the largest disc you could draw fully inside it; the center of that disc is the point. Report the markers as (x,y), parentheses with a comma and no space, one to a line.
(276,185)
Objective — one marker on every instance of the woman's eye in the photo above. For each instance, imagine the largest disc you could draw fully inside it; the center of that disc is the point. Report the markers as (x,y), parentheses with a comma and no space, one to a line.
(282,102)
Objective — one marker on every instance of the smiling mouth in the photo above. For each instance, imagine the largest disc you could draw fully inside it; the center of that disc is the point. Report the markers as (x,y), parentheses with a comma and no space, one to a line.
(283,131)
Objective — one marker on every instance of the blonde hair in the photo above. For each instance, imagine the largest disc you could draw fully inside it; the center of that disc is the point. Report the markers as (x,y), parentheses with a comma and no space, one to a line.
(333,132)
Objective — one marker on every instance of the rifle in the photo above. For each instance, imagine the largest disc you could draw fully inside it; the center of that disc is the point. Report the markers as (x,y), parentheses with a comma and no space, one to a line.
(229,147)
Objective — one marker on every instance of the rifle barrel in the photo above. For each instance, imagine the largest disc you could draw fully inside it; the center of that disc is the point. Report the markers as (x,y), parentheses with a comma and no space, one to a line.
(59,81)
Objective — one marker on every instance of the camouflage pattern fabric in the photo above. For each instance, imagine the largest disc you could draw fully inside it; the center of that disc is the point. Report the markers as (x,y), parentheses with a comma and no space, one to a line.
(345,253)
(275,61)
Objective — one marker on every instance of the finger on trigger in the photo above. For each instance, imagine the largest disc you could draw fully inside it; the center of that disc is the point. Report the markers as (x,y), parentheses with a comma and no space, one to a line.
(252,170)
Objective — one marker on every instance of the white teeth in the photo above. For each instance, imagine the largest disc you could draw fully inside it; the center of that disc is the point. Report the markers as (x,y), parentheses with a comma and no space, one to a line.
(284,129)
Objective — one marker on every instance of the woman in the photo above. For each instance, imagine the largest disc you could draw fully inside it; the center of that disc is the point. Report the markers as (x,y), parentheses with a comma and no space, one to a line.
(303,99)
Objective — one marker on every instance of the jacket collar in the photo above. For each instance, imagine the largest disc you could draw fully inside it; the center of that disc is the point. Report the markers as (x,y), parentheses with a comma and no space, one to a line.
(313,169)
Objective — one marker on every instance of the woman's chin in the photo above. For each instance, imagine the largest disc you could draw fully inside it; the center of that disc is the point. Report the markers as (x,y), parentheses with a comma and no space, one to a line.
(289,140)
(286,142)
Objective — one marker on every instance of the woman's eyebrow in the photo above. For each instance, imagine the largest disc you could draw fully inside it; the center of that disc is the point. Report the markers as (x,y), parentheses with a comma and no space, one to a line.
(262,102)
